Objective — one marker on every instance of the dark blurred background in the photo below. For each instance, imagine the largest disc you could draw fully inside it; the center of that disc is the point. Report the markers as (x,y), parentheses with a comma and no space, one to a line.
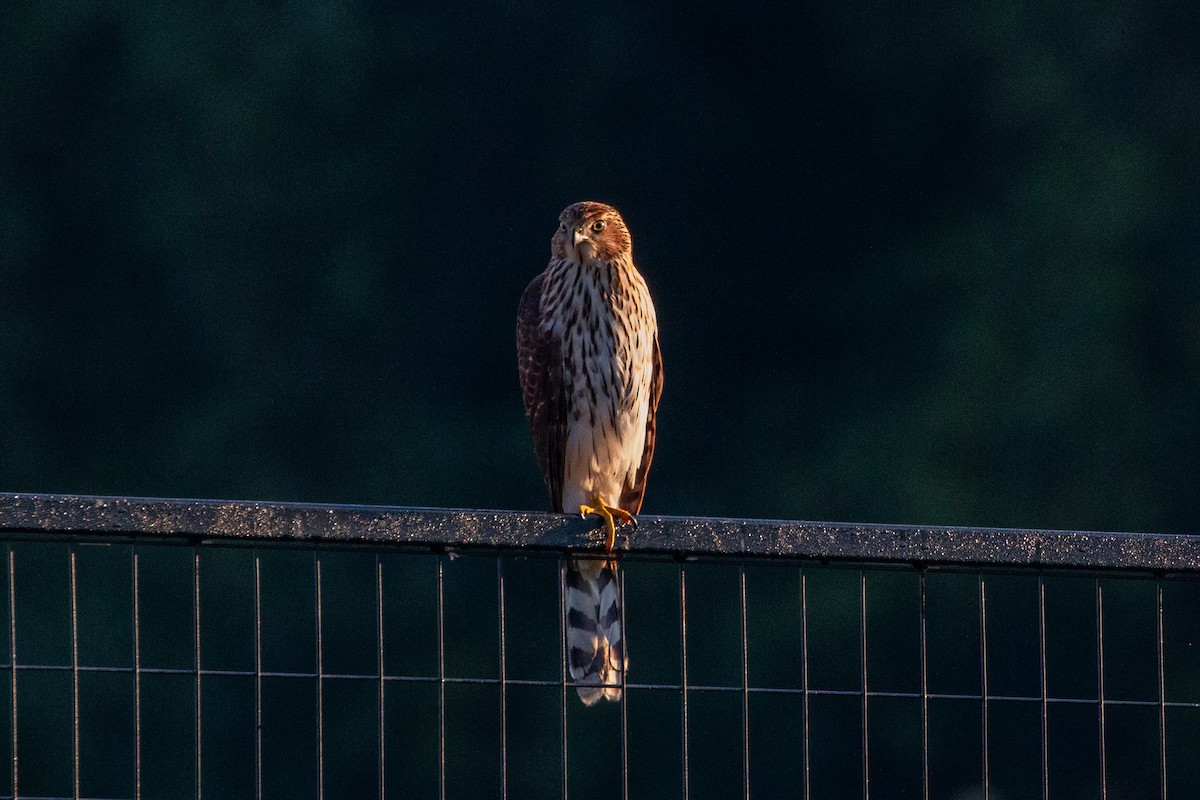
(931,264)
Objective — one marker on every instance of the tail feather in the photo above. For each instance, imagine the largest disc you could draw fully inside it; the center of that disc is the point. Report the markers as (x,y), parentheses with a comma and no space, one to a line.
(595,644)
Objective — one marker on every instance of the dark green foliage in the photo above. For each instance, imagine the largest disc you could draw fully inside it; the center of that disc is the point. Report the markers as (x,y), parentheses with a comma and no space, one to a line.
(932,264)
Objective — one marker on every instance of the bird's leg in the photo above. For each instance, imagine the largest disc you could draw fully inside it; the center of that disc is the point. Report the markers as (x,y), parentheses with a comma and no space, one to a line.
(609,536)
(601,509)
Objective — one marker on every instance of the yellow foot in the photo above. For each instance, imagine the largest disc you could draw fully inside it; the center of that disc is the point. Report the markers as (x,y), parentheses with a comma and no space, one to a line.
(607,534)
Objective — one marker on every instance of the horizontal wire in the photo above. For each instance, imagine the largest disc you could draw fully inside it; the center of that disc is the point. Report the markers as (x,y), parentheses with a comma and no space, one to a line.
(769,690)
(24,796)
(55,797)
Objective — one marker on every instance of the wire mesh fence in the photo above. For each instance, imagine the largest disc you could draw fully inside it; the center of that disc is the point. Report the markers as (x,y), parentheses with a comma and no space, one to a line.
(253,658)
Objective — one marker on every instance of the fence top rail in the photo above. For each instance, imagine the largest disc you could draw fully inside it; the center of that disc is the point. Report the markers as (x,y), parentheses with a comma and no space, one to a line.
(692,536)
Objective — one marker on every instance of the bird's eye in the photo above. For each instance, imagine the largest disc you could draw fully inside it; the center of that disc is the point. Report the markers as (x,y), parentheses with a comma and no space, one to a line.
(562,226)
(598,225)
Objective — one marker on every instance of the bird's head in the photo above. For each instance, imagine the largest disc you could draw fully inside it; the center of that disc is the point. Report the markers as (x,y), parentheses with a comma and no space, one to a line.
(590,231)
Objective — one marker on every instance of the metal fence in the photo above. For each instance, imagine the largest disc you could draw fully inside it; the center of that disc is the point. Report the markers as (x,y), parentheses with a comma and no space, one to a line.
(176,649)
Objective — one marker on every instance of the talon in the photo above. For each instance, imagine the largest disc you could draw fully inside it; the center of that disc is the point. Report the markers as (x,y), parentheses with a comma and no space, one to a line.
(608,533)
(624,515)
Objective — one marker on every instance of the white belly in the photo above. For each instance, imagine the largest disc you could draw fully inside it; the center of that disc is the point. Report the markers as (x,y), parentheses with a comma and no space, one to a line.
(608,369)
(604,450)
(606,427)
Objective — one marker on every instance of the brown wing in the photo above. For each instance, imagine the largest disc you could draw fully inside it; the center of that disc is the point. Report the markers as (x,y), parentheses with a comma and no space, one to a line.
(631,498)
(539,362)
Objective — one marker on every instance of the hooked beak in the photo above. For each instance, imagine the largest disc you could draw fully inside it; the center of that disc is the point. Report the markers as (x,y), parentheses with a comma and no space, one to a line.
(577,236)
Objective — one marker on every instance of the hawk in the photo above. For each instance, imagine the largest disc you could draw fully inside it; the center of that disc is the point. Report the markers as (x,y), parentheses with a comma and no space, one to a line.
(591,376)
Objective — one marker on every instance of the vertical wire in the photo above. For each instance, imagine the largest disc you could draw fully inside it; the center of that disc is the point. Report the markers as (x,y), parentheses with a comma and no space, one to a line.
(503,681)
(441,625)
(624,688)
(1100,688)
(258,689)
(562,661)
(804,679)
(380,665)
(683,680)
(862,644)
(983,685)
(74,674)
(12,656)
(1162,693)
(320,679)
(196,642)
(1043,684)
(137,678)
(922,619)
(745,688)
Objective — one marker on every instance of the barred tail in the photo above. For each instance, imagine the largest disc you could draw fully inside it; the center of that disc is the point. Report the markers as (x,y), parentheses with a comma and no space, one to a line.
(595,643)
